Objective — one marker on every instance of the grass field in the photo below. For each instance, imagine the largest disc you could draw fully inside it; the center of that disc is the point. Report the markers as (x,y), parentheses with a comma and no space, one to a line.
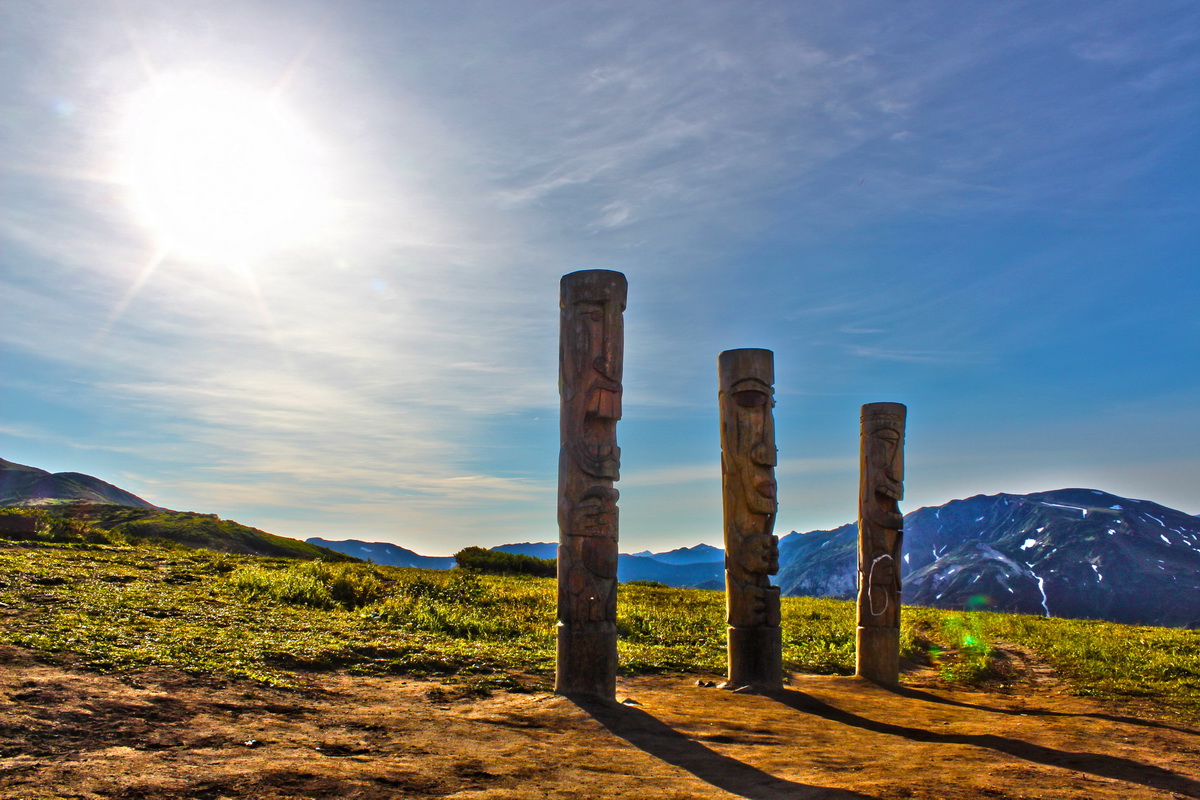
(122,607)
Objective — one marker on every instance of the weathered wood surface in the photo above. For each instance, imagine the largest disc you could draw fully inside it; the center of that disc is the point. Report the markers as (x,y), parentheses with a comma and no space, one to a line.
(748,457)
(591,352)
(880,542)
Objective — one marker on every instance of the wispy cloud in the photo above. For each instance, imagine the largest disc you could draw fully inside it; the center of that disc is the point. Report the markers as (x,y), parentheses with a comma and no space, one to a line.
(911,356)
(756,169)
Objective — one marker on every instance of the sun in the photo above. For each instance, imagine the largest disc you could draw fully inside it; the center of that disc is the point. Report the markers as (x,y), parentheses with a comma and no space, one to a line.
(218,172)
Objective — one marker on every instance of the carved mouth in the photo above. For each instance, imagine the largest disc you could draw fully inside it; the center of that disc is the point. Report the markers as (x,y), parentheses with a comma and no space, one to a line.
(601,452)
(890,492)
(766,488)
(604,404)
(600,459)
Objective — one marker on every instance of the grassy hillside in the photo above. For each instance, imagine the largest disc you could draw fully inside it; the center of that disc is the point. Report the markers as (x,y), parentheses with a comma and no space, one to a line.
(119,607)
(119,524)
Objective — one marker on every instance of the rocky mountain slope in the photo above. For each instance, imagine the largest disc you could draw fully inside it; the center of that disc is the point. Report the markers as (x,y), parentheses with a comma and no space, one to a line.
(1077,553)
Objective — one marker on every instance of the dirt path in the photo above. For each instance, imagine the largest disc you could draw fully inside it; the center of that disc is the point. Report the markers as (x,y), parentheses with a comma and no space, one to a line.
(71,734)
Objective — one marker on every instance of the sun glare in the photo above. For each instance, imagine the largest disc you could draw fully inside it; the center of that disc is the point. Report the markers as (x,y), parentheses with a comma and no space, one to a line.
(220,173)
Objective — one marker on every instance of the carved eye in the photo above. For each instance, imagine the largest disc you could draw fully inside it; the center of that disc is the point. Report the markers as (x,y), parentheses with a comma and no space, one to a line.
(751,399)
(597,316)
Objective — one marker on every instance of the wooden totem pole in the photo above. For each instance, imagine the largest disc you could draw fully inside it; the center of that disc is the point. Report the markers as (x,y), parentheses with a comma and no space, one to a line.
(591,352)
(748,459)
(880,540)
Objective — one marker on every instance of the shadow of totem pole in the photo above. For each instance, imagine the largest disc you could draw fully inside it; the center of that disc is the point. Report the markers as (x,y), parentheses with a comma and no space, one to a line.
(747,396)
(591,354)
(880,541)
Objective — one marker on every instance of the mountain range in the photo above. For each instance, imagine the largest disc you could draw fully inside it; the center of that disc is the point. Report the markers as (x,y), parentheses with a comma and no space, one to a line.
(1079,553)
(392,555)
(699,567)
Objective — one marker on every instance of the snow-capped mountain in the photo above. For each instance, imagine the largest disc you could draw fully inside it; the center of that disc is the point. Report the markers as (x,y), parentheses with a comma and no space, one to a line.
(1078,553)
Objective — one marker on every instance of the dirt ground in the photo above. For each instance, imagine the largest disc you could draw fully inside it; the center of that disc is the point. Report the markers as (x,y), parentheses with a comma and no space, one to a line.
(66,733)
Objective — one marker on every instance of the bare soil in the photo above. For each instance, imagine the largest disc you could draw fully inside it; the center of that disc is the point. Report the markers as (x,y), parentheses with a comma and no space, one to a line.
(69,733)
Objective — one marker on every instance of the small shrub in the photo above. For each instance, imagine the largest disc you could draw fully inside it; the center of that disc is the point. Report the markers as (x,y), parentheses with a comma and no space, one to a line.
(498,562)
(36,525)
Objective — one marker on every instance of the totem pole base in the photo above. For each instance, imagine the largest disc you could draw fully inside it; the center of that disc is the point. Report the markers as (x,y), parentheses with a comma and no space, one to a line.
(877,655)
(587,662)
(756,657)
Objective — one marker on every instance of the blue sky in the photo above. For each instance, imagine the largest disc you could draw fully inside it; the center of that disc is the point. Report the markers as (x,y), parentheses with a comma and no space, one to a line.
(985,211)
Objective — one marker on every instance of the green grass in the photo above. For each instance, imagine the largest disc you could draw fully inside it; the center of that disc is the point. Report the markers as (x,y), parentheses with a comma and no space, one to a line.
(122,607)
(48,527)
(1110,661)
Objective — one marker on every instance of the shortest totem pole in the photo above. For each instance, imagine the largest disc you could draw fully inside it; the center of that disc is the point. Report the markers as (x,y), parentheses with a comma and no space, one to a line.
(748,459)
(591,350)
(880,540)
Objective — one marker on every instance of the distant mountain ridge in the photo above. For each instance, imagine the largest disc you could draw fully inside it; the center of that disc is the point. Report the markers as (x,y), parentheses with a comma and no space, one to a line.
(669,568)
(697,554)
(698,567)
(73,495)
(384,553)
(1079,553)
(22,485)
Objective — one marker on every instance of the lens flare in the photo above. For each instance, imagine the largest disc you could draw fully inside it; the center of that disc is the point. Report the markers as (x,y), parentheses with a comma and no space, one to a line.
(978,601)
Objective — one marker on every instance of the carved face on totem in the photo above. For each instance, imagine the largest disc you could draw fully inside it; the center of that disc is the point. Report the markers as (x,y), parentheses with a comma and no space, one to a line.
(883,464)
(587,580)
(748,429)
(595,514)
(593,339)
(752,604)
(759,554)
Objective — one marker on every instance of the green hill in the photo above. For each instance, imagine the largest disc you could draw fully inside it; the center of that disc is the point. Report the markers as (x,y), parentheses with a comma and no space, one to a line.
(112,523)
(24,485)
(71,506)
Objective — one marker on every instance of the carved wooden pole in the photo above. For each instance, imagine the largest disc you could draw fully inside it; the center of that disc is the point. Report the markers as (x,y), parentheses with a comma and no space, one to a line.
(748,458)
(591,352)
(880,540)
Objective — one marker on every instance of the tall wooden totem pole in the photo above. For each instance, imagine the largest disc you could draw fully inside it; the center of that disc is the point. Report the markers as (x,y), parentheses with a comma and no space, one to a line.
(747,395)
(591,353)
(880,541)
